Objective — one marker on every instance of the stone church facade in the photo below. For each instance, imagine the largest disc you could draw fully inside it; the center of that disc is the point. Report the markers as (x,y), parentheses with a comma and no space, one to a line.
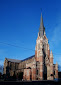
(37,67)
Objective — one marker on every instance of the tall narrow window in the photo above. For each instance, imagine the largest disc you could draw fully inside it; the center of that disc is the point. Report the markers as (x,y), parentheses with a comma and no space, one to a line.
(37,72)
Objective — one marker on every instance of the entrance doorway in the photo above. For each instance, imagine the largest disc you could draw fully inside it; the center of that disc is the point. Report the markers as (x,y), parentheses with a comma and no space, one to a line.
(45,76)
(20,75)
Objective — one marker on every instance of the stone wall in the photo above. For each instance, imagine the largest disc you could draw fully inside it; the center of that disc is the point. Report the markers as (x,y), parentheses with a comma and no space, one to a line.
(22,65)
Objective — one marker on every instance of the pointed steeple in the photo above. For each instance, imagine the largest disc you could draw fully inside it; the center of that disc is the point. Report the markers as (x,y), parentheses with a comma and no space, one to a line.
(41,29)
(41,23)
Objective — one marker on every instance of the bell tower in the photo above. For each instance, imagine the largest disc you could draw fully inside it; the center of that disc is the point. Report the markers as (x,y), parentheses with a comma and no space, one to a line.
(42,51)
(39,50)
(39,41)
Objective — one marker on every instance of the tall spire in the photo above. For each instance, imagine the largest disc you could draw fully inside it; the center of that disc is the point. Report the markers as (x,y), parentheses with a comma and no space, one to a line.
(41,23)
(41,29)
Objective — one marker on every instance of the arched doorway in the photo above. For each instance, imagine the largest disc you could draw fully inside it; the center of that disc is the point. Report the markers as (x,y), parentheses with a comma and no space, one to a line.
(20,75)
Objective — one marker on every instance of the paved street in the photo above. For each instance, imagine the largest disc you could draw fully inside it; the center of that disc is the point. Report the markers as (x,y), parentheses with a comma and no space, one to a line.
(30,83)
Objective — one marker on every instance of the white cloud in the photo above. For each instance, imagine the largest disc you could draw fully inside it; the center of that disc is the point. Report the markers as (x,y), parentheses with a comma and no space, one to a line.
(55,42)
(56,37)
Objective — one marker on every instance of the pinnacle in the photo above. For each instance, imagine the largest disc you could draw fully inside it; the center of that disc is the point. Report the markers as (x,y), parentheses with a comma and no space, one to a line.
(56,63)
(51,55)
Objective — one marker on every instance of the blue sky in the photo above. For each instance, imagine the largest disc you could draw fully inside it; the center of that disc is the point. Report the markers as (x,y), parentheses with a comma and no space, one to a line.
(19,26)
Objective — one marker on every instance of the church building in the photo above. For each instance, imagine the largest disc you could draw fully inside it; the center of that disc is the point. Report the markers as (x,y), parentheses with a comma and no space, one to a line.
(37,67)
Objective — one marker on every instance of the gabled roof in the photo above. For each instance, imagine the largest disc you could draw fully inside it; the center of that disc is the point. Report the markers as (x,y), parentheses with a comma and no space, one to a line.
(18,61)
(13,60)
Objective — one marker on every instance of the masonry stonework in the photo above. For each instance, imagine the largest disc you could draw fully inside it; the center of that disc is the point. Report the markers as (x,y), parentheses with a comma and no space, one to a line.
(37,67)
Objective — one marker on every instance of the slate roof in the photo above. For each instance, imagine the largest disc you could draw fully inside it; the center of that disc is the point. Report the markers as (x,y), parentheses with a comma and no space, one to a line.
(13,60)
(18,61)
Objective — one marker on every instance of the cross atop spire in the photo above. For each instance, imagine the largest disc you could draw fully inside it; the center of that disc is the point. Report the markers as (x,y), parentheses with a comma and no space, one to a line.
(41,29)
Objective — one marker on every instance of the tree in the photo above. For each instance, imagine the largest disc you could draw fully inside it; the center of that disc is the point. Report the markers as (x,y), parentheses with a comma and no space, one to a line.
(0,75)
(1,69)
